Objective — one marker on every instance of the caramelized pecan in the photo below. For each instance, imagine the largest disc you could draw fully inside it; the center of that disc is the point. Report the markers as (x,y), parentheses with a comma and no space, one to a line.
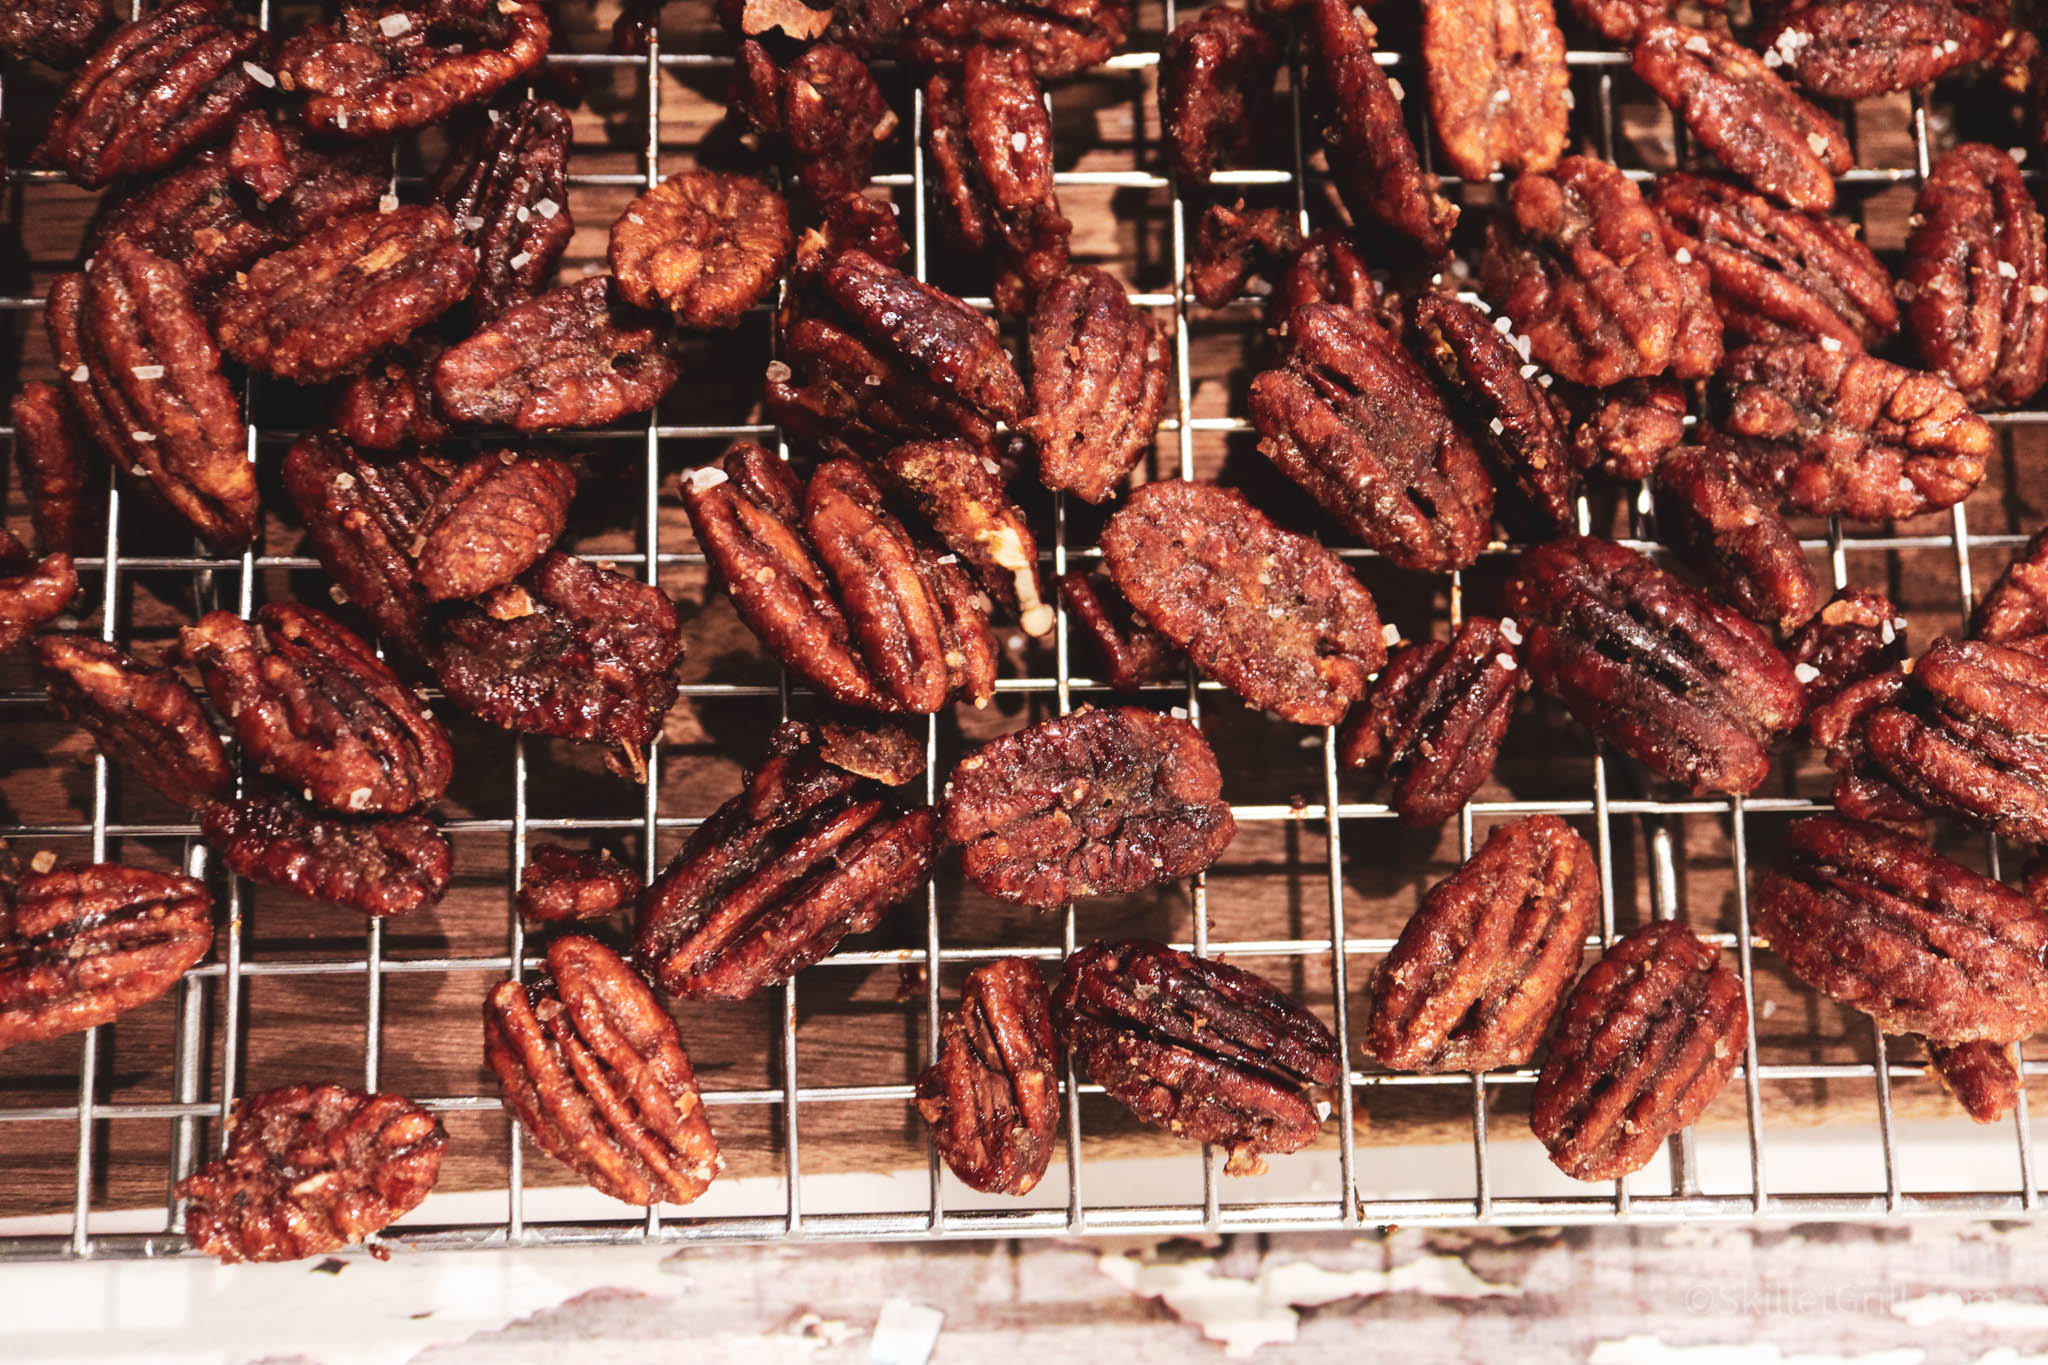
(561,883)
(572,357)
(826,111)
(1859,634)
(1730,533)
(1133,653)
(1625,430)
(55,32)
(362,518)
(381,69)
(496,516)
(141,716)
(1498,88)
(2016,607)
(508,191)
(390,405)
(1331,269)
(385,866)
(1855,49)
(32,593)
(992,1094)
(1060,37)
(1984,1077)
(960,495)
(1098,382)
(1231,245)
(59,471)
(1215,84)
(705,245)
(1837,727)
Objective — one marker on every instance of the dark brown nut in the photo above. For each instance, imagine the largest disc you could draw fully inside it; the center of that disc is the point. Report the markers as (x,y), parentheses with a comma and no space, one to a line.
(1205,1050)
(947,342)
(1331,269)
(1837,727)
(31,593)
(1976,277)
(82,944)
(1742,112)
(1579,263)
(324,305)
(142,717)
(559,884)
(508,191)
(311,1169)
(1498,87)
(2016,607)
(571,357)
(1215,86)
(854,222)
(1777,274)
(879,750)
(1859,634)
(60,471)
(1838,431)
(1231,245)
(825,109)
(1686,686)
(1625,430)
(1731,534)
(378,70)
(1061,37)
(804,856)
(992,1096)
(362,518)
(1984,1077)
(990,138)
(1373,160)
(571,649)
(258,160)
(391,404)
(56,32)
(1856,49)
(1647,1039)
(1098,383)
(1133,654)
(960,495)
(169,82)
(1354,420)
(1618,21)
(1273,616)
(1481,969)
(1886,925)
(498,515)
(1433,721)
(706,246)
(386,866)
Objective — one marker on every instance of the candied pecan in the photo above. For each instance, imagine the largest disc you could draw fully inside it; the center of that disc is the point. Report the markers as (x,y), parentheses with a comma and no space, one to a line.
(1618,21)
(1859,634)
(1215,85)
(1837,727)
(1838,431)
(82,944)
(1647,1039)
(258,160)
(1886,925)
(1983,1076)
(31,593)
(561,883)
(378,70)
(1625,430)
(1060,37)
(1976,277)
(1271,615)
(383,866)
(1855,49)
(826,109)
(1354,420)
(1231,245)
(390,405)
(1480,970)
(508,191)
(1498,88)
(56,32)
(172,80)
(592,1066)
(960,494)
(1433,719)
(880,750)
(2016,607)
(59,469)
(311,1169)
(992,1094)
(705,245)
(493,519)
(571,357)
(1730,533)
(804,856)
(1776,274)
(1133,653)
(362,518)
(1205,1050)
(1686,686)
(141,716)
(1331,269)
(1098,382)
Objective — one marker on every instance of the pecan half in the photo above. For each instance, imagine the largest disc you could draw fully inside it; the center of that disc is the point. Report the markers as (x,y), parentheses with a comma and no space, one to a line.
(1618,21)
(55,32)
(829,115)
(1498,88)
(992,1094)
(1859,634)
(508,191)
(32,593)
(571,357)
(1731,534)
(491,522)
(1098,382)
(381,69)
(961,496)
(1837,727)
(2016,606)
(1625,430)
(1133,653)
(1331,269)
(390,404)
(61,473)
(141,716)
(1856,49)
(1060,38)
(706,246)
(386,866)
(1231,245)
(1215,85)
(1984,1077)
(560,883)
(362,518)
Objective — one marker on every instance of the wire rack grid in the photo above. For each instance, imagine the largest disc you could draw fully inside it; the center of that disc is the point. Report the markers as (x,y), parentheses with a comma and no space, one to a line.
(226,978)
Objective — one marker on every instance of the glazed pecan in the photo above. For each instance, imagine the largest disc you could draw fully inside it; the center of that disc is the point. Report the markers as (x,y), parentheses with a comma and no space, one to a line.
(706,246)
(508,191)
(1272,615)
(1498,87)
(1098,383)
(992,1094)
(1625,430)
(82,944)
(1859,634)
(60,471)
(1983,1076)
(1837,727)
(560,883)
(960,495)
(572,357)
(1215,85)
(1730,533)
(384,866)
(1207,1051)
(1060,37)
(1619,20)
(593,1067)
(497,515)
(362,518)
(32,592)
(311,1169)
(805,855)
(1231,245)
(1133,653)
(2016,607)
(1433,720)
(1647,1039)
(390,405)
(1331,269)
(1855,49)
(379,69)
(55,32)
(826,111)
(1354,420)
(1886,925)
(141,716)
(1684,685)
(866,746)
(1480,970)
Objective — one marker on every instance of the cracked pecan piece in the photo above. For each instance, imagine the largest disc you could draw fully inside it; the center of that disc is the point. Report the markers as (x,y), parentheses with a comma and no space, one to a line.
(561,884)
(491,522)
(1984,1077)
(389,865)
(1859,634)
(507,189)
(1618,21)
(1215,86)
(1059,37)
(866,746)
(1730,533)
(704,245)
(142,717)
(960,495)
(390,404)
(55,32)
(1133,654)
(1625,430)
(1857,49)
(1836,726)
(1481,969)
(381,69)
(992,1095)
(572,357)
(32,592)
(1207,1051)
(311,1169)
(1273,616)
(362,518)
(1098,382)
(1684,685)
(830,118)
(1498,87)
(61,474)
(2016,606)
(1231,245)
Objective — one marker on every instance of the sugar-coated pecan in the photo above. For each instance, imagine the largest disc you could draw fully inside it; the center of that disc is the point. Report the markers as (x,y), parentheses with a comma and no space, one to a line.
(1618,21)
(1855,49)
(386,865)
(1060,37)
(1354,420)
(1647,1039)
(1983,1076)
(82,944)
(1976,277)
(2016,606)
(1625,430)
(1684,685)
(1859,634)
(1232,244)
(1133,653)
(826,111)
(705,245)
(572,357)
(1731,534)
(381,69)
(172,80)
(592,1065)
(1331,269)
(1579,263)
(508,191)
(1098,383)
(362,518)
(55,32)
(866,746)
(868,27)
(1498,87)
(992,1094)
(258,160)
(497,515)
(141,716)
(1205,1050)
(560,883)
(1837,727)
(1744,113)
(61,474)
(1433,719)
(1838,431)
(1215,85)
(390,404)
(959,493)
(1884,924)
(311,1169)
(807,854)
(1480,970)
(32,593)
(1272,615)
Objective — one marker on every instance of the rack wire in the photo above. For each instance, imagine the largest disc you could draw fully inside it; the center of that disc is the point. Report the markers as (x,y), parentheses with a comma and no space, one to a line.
(214,997)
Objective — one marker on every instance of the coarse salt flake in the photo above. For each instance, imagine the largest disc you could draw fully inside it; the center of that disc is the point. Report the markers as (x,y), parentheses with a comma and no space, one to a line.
(1819,143)
(1018,141)
(1390,635)
(2037,293)
(2008,271)
(80,374)
(146,371)
(547,208)
(1682,256)
(705,477)
(522,213)
(777,372)
(1806,673)
(142,437)
(1178,712)
(1503,325)
(1528,372)
(1506,661)
(341,119)
(1495,426)
(949,559)
(1905,484)
(1697,45)
(1886,633)
(259,75)
(519,261)
(1400,91)
(1509,631)
(1831,343)
(395,24)
(470,223)
(387,204)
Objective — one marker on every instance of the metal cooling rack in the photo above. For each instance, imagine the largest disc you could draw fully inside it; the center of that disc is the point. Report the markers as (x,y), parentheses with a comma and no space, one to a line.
(227,974)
